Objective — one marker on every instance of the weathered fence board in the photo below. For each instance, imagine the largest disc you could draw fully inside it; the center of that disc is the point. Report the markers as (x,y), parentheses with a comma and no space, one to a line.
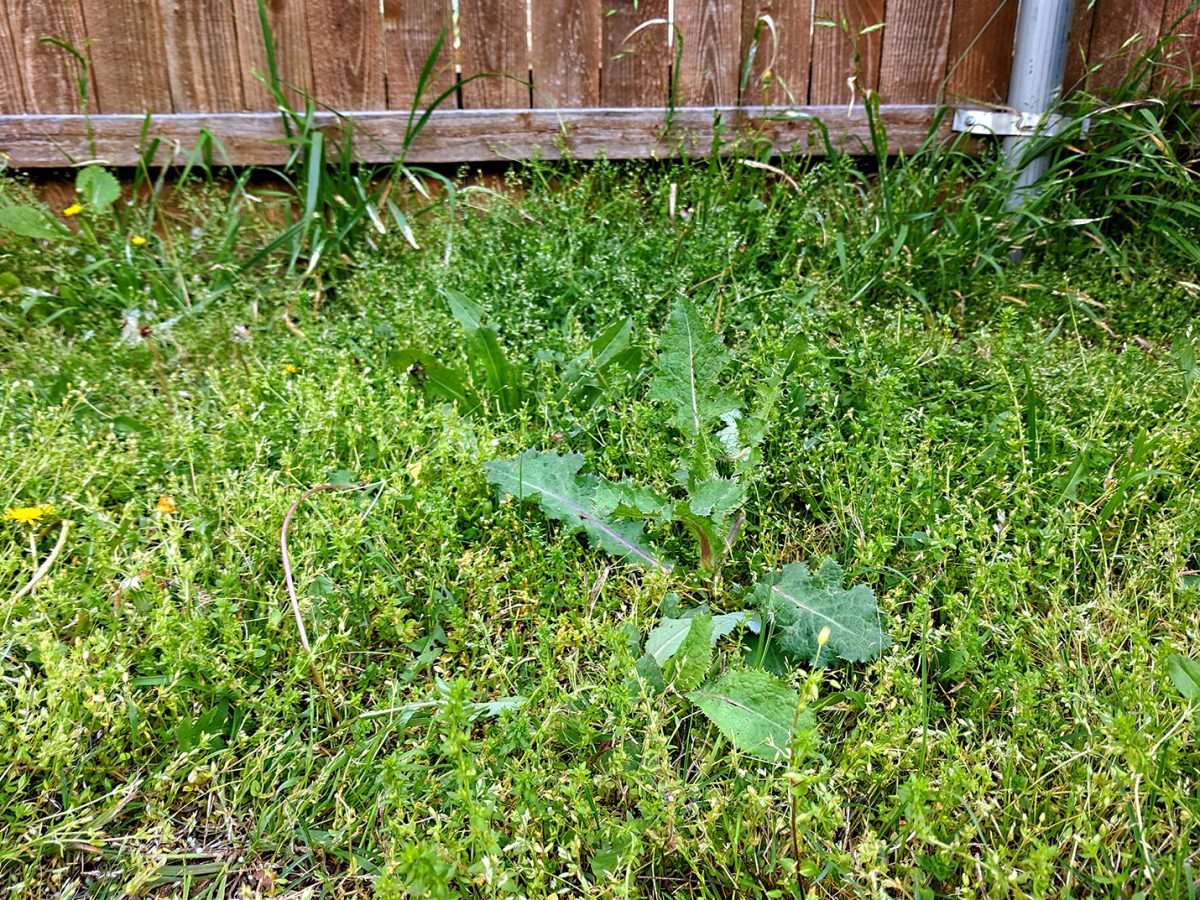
(49,74)
(346,41)
(635,64)
(202,55)
(129,59)
(493,39)
(780,33)
(565,53)
(288,21)
(189,62)
(711,32)
(981,35)
(847,44)
(455,135)
(411,30)
(12,92)
(915,47)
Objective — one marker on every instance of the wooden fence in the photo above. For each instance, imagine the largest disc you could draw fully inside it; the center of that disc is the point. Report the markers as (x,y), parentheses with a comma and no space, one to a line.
(589,77)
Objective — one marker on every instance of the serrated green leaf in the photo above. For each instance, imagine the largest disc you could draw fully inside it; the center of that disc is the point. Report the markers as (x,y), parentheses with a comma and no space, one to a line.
(753,709)
(32,222)
(98,188)
(690,663)
(1185,673)
(554,480)
(623,498)
(690,360)
(799,605)
(665,637)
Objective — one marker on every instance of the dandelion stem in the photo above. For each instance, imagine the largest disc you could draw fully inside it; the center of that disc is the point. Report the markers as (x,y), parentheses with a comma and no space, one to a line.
(41,571)
(159,370)
(290,583)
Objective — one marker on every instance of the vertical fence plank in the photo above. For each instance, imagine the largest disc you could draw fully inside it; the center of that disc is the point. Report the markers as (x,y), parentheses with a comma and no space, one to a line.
(492,38)
(565,53)
(634,72)
(981,48)
(202,55)
(12,92)
(783,51)
(709,70)
(129,60)
(916,43)
(346,41)
(847,44)
(49,74)
(1078,45)
(1121,30)
(288,20)
(410,32)
(1182,54)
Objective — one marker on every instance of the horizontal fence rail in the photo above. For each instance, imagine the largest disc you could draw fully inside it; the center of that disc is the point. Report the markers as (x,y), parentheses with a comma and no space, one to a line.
(96,78)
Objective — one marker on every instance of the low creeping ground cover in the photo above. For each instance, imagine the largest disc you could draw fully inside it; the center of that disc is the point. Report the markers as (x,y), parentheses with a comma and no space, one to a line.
(725,532)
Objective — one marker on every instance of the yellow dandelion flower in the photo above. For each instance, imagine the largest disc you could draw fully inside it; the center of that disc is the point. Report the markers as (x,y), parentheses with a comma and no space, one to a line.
(166,505)
(137,240)
(27,515)
(823,637)
(289,369)
(73,210)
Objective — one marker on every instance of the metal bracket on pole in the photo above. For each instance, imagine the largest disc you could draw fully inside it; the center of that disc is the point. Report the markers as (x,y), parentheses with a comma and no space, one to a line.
(1005,123)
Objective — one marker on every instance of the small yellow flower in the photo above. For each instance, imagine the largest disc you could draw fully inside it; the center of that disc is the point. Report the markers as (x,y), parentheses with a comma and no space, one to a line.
(289,369)
(27,515)
(137,240)
(73,210)
(823,637)
(166,505)
(414,470)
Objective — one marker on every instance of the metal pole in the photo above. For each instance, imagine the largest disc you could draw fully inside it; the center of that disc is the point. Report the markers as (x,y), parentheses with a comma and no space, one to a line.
(1035,87)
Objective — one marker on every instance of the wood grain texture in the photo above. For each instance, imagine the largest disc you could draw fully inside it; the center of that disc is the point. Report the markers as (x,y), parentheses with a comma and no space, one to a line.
(288,20)
(492,38)
(711,63)
(12,91)
(779,69)
(1181,57)
(472,135)
(634,72)
(1078,44)
(346,41)
(410,33)
(129,60)
(1121,30)
(916,44)
(981,49)
(50,74)
(565,53)
(846,45)
(202,55)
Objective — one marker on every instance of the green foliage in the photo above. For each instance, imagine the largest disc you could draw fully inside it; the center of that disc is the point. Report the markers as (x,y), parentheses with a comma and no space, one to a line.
(554,481)
(755,710)
(797,605)
(1185,674)
(98,189)
(691,359)
(32,222)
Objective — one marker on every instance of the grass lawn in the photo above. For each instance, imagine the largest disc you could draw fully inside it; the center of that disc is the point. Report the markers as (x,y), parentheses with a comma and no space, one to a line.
(1006,454)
